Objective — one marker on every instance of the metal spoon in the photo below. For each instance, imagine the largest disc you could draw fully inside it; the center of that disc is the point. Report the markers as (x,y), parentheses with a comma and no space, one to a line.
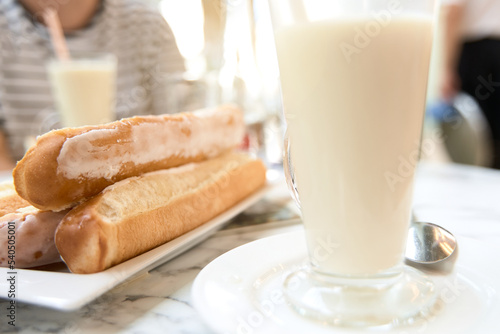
(429,243)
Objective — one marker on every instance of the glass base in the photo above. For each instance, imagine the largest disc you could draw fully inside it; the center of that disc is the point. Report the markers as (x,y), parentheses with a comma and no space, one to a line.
(354,302)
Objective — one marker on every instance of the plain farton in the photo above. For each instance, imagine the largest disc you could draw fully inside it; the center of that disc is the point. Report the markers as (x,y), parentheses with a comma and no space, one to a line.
(140,213)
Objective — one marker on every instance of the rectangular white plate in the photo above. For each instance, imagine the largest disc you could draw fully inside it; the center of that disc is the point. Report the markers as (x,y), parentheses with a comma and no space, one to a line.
(67,292)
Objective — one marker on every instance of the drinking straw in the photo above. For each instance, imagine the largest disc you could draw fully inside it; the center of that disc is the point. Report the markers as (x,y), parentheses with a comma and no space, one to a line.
(56,33)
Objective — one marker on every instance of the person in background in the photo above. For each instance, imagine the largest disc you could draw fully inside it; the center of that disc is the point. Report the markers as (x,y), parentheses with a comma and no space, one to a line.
(136,34)
(471,60)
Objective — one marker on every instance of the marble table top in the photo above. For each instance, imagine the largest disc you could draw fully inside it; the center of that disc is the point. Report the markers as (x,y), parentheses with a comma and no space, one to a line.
(463,199)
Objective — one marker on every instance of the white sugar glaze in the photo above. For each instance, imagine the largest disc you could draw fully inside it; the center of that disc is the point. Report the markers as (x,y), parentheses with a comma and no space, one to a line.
(28,222)
(206,132)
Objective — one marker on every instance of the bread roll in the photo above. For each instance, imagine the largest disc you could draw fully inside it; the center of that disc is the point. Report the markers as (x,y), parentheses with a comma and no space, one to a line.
(67,166)
(140,213)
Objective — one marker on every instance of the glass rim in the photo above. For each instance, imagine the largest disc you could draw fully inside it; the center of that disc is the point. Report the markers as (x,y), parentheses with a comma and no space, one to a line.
(85,56)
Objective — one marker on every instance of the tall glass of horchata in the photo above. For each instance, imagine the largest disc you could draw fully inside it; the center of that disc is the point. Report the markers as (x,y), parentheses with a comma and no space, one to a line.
(354,77)
(84,88)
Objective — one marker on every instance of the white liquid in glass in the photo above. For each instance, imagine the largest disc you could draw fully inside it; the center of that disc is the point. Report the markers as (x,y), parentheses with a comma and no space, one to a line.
(84,91)
(354,101)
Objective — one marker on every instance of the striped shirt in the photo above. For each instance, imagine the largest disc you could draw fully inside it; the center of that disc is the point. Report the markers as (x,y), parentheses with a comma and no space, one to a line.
(137,35)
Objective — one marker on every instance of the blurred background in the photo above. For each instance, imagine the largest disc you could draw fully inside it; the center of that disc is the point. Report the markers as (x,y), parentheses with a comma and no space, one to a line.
(230,57)
(229,52)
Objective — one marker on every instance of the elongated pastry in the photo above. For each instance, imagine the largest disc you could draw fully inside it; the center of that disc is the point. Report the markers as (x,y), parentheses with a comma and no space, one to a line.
(67,166)
(27,238)
(26,233)
(140,213)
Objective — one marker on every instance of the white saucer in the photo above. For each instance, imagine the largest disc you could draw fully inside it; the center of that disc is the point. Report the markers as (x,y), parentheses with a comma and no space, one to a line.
(240,292)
